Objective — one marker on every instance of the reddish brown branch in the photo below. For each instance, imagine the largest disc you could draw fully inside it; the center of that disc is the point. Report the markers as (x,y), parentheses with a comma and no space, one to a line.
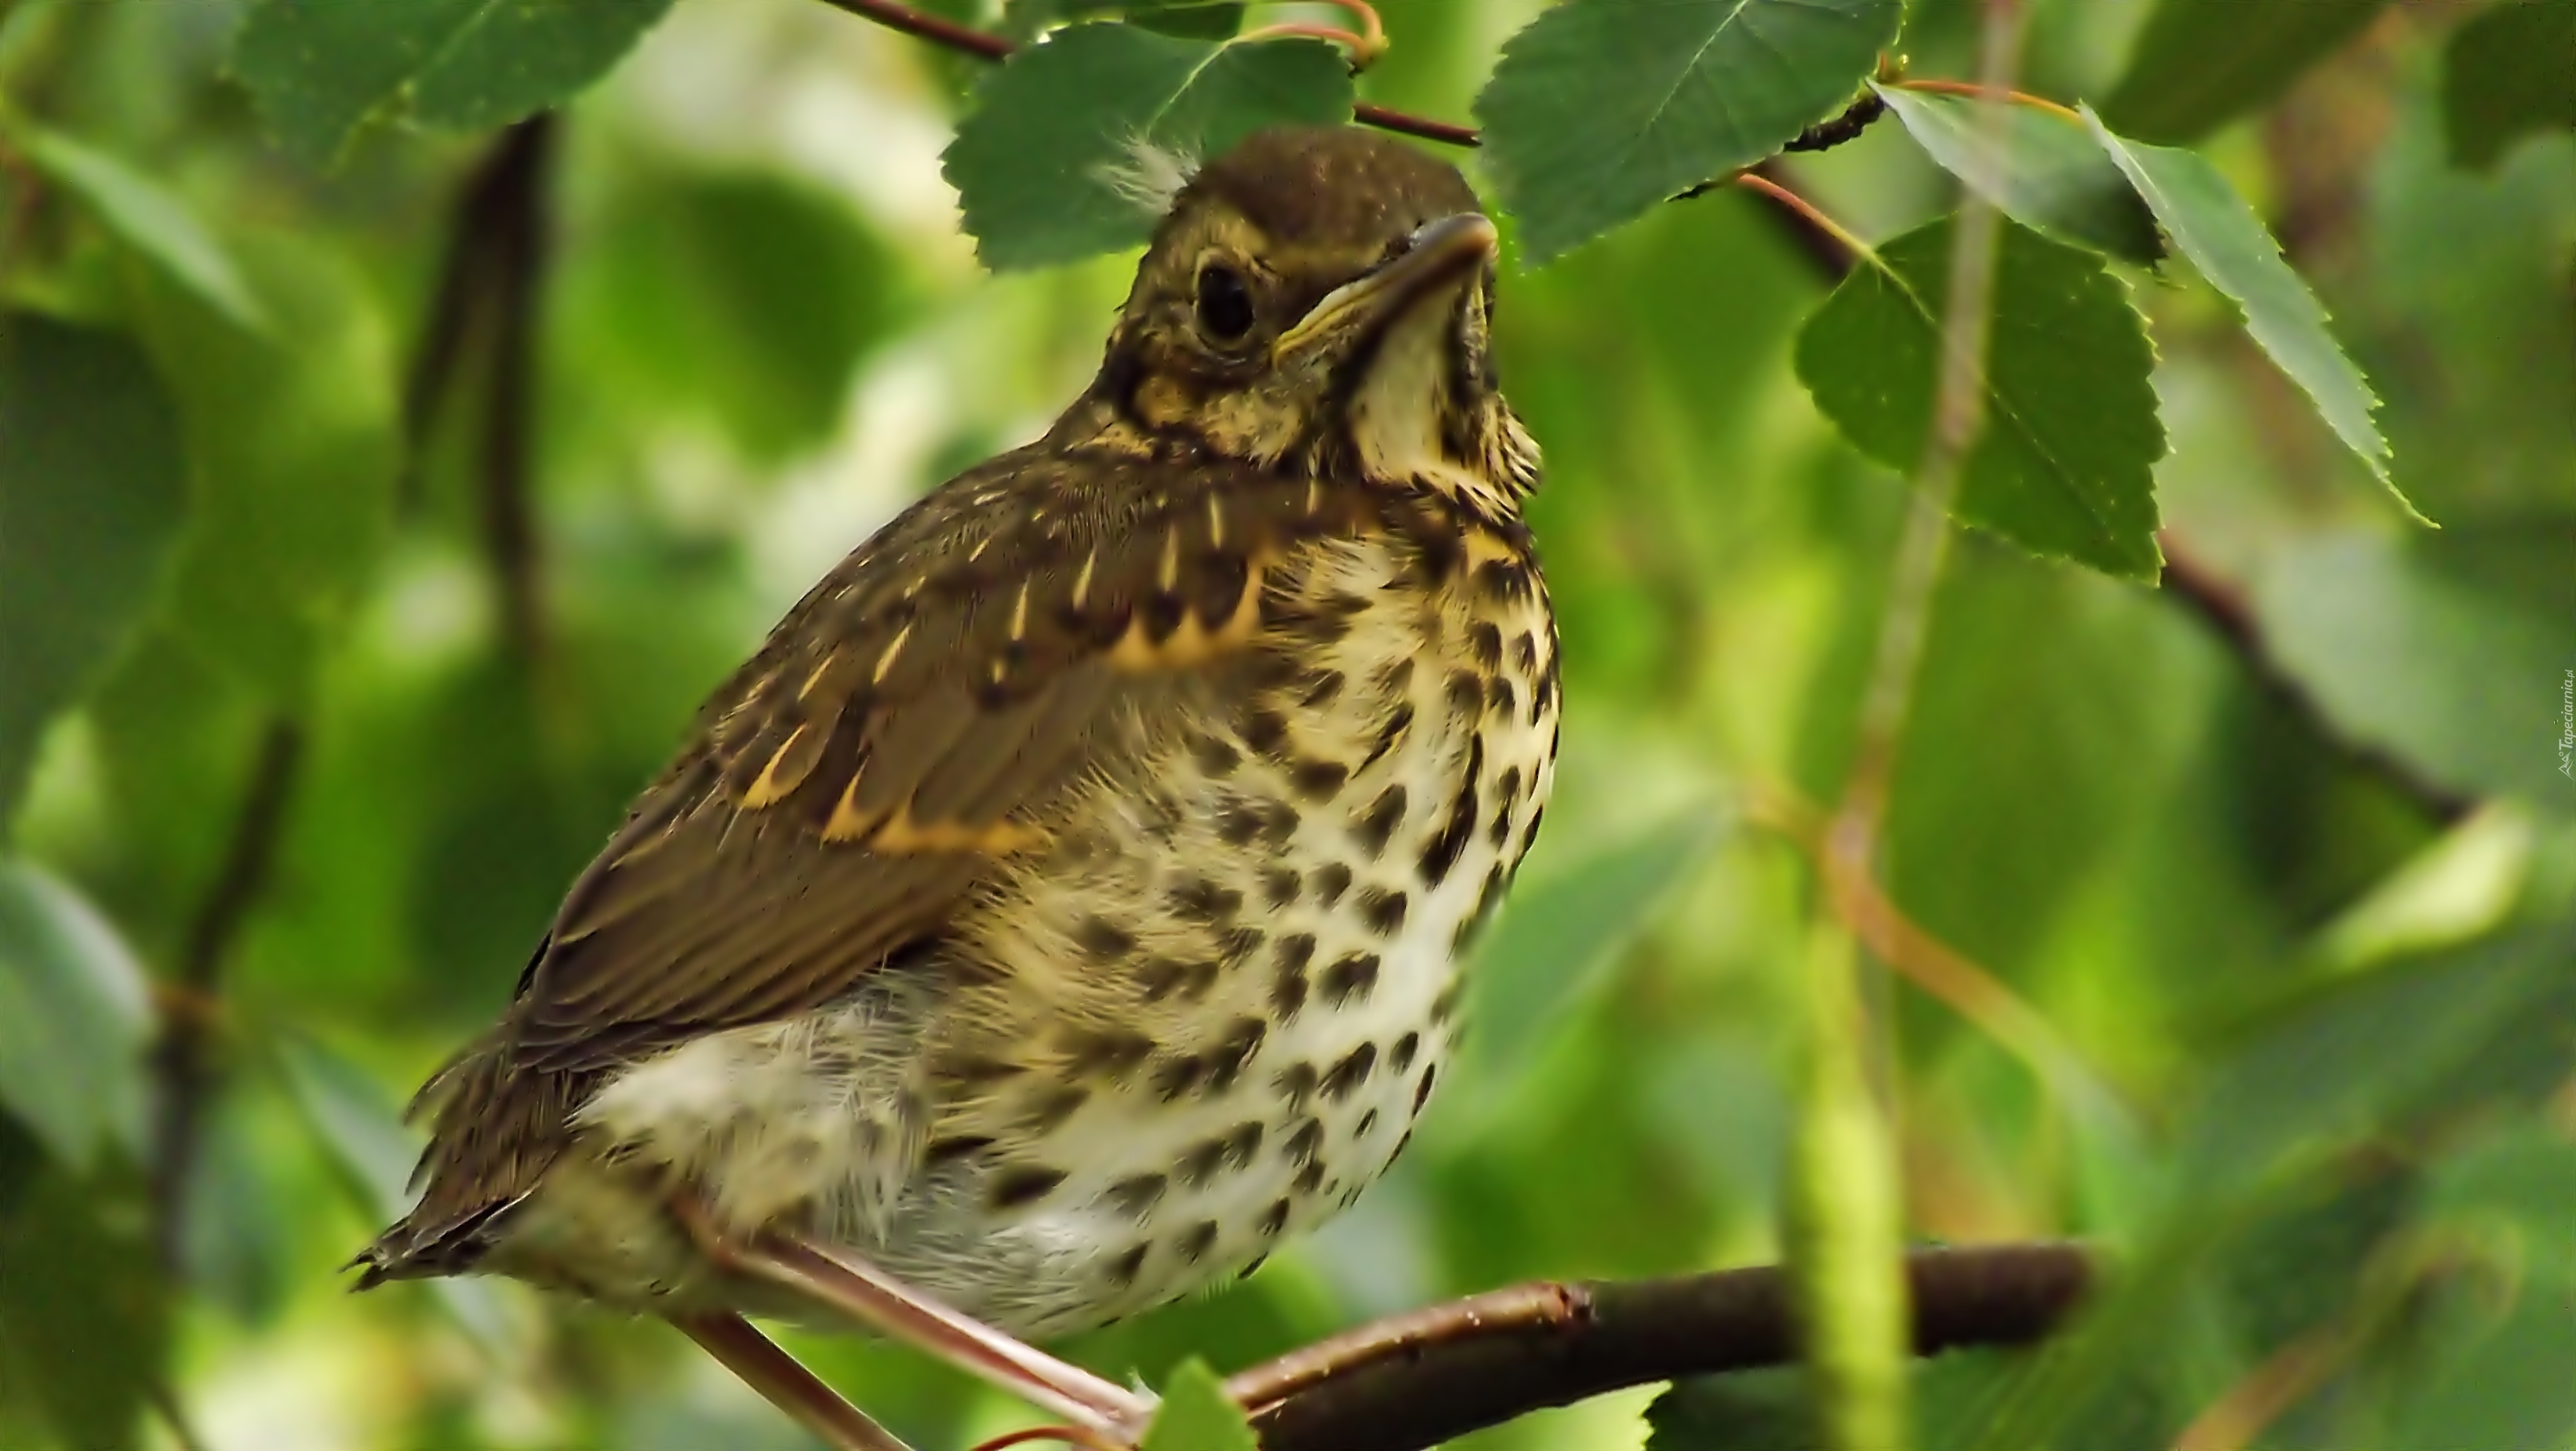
(2220,603)
(486,303)
(183,1060)
(1420,1379)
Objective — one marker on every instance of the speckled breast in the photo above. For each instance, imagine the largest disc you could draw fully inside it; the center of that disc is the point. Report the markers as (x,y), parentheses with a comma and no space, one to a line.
(1224,993)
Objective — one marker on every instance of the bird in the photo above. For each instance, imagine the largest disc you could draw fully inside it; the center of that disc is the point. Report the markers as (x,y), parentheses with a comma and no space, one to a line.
(1068,903)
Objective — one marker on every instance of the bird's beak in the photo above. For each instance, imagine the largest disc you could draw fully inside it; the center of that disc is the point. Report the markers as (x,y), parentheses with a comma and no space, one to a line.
(1443,253)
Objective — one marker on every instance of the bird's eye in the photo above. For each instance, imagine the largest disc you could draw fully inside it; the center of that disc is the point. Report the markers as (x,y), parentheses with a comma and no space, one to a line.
(1224,304)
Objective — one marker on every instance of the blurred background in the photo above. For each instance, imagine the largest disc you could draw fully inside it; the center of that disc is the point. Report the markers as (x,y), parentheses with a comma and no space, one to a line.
(2275,866)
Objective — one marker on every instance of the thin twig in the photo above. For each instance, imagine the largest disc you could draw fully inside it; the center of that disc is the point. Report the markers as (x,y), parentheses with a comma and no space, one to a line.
(1915,953)
(1975,89)
(520,248)
(183,1072)
(1400,1389)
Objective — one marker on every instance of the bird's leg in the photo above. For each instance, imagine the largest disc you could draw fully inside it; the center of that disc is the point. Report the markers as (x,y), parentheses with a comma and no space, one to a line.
(862,1292)
(785,1384)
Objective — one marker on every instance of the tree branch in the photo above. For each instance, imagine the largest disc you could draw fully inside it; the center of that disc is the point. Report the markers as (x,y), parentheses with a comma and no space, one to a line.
(1417,1380)
(488,294)
(966,39)
(183,1071)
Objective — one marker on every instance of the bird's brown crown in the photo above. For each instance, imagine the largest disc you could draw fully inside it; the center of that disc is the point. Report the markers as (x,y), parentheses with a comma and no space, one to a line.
(1318,300)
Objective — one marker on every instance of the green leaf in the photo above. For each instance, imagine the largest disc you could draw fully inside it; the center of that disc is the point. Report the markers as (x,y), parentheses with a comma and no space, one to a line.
(2507,74)
(2357,1054)
(1037,167)
(2225,240)
(148,218)
(2064,466)
(319,67)
(2517,1185)
(2046,173)
(742,294)
(1603,108)
(93,488)
(292,441)
(1772,1410)
(1752,1410)
(83,1318)
(1197,19)
(2199,64)
(1197,1415)
(1557,934)
(2421,647)
(73,1018)
(2505,1376)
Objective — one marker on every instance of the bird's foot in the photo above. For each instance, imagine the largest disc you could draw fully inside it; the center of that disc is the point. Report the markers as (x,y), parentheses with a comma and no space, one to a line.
(835,1280)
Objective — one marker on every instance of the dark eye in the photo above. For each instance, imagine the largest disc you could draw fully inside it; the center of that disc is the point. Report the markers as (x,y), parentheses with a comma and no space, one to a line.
(1224,304)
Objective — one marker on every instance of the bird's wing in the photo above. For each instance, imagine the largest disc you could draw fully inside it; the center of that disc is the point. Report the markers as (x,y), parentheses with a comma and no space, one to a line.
(907,726)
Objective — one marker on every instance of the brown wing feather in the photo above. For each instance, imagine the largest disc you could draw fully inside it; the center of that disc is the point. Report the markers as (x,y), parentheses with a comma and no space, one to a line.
(913,719)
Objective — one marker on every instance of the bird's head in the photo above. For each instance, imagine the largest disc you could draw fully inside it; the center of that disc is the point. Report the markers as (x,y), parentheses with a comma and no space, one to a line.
(1321,299)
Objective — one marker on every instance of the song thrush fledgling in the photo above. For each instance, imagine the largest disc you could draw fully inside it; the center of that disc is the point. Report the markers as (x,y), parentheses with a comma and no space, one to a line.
(1064,907)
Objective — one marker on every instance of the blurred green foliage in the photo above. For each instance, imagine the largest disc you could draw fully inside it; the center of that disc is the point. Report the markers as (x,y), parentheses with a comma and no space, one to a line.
(2274,866)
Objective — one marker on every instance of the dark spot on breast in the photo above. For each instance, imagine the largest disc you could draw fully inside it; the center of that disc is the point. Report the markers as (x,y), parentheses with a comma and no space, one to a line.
(1179,1076)
(1525,652)
(1136,1195)
(1214,756)
(1013,1188)
(1296,1083)
(1382,910)
(1367,1122)
(1441,853)
(1318,780)
(1502,698)
(1162,614)
(1395,676)
(1197,1240)
(1254,1264)
(1266,731)
(1280,823)
(1103,939)
(1234,944)
(1501,581)
(1344,1078)
(1405,1049)
(1163,977)
(1379,822)
(1529,832)
(1201,900)
(1304,1142)
(950,1150)
(1486,643)
(1048,1110)
(1330,882)
(1288,984)
(1309,1180)
(1123,1270)
(1422,1090)
(1352,976)
(1276,1220)
(975,1069)
(1199,1162)
(1238,821)
(1466,693)
(1111,1051)
(1242,1143)
(1279,885)
(1389,735)
(1321,688)
(1227,1059)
